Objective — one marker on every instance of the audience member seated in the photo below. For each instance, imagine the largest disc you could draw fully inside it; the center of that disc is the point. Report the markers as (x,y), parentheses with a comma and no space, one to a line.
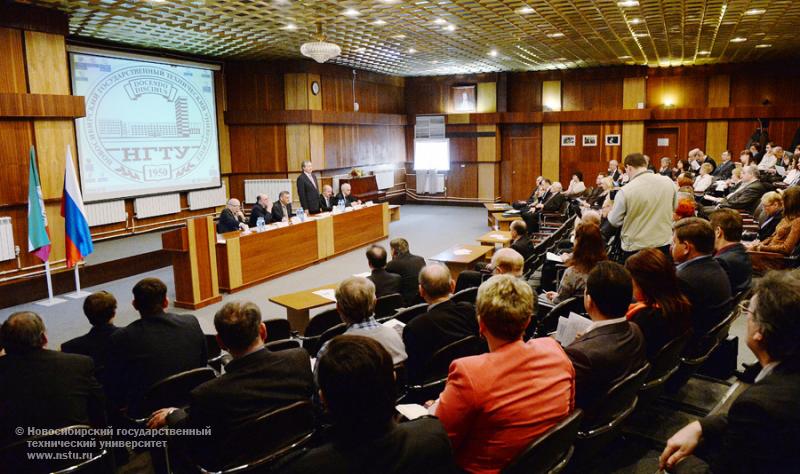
(357,388)
(231,218)
(792,177)
(666,168)
(701,278)
(495,404)
(554,203)
(704,179)
(344,194)
(768,162)
(157,345)
(326,201)
(385,283)
(787,233)
(445,322)
(520,241)
(263,209)
(761,430)
(43,388)
(612,347)
(282,210)
(681,166)
(355,302)
(661,311)
(728,248)
(754,153)
(255,381)
(726,167)
(504,261)
(589,249)
(771,215)
(686,208)
(745,197)
(542,186)
(686,180)
(100,309)
(576,186)
(408,266)
(595,195)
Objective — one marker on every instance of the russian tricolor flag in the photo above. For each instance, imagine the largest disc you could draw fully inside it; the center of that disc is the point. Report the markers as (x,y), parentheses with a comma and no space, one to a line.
(78,239)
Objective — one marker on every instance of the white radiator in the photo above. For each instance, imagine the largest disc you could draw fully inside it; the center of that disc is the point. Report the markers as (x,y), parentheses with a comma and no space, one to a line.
(429,182)
(206,198)
(270,187)
(108,212)
(7,249)
(152,206)
(385,178)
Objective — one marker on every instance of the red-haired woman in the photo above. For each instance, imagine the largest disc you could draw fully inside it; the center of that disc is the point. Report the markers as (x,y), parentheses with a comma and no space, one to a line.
(589,249)
(661,310)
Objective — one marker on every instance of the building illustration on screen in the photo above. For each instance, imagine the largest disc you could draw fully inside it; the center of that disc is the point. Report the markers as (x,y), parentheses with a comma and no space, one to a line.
(179,128)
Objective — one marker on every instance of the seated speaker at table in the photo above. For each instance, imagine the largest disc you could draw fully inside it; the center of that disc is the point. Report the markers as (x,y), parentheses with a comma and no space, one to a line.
(344,193)
(282,210)
(326,201)
(231,218)
(262,208)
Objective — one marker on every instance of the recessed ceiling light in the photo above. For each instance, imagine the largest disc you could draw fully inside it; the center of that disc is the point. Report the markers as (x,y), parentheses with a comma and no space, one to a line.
(440,21)
(493,53)
(764,45)
(560,59)
(641,35)
(526,10)
(379,22)
(450,27)
(351,12)
(626,57)
(290,27)
(704,53)
(635,21)
(411,50)
(755,11)
(556,35)
(738,39)
(628,3)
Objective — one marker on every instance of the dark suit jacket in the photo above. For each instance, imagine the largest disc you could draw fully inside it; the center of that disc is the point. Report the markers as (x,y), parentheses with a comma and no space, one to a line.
(524,246)
(736,263)
(724,170)
(408,267)
(444,323)
(259,211)
(277,212)
(408,448)
(761,432)
(252,385)
(326,206)
(308,194)
(554,203)
(93,344)
(227,222)
(603,357)
(544,197)
(48,389)
(385,283)
(657,330)
(706,285)
(769,225)
(149,350)
(747,199)
(348,201)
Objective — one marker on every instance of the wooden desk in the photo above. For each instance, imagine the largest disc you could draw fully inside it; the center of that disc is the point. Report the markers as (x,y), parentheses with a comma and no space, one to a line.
(492,238)
(358,227)
(459,263)
(504,223)
(493,208)
(299,303)
(194,265)
(394,212)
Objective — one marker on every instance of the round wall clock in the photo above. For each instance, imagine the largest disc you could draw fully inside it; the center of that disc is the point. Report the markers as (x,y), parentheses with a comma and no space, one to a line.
(315,88)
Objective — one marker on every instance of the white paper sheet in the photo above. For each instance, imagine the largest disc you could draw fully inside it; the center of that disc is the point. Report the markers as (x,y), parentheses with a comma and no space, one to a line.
(499,237)
(412,411)
(462,252)
(395,324)
(328,294)
(569,328)
(554,257)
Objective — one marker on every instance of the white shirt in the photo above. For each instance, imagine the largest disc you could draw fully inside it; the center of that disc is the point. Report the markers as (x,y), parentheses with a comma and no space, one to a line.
(702,182)
(769,161)
(605,322)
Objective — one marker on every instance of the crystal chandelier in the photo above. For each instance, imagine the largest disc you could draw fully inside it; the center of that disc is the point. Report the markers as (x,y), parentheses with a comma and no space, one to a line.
(320,50)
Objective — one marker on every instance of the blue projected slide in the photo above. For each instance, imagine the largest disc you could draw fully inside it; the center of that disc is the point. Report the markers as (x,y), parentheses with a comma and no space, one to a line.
(150,128)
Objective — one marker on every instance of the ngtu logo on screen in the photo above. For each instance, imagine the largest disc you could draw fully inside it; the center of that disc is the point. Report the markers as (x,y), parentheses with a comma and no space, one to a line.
(146,124)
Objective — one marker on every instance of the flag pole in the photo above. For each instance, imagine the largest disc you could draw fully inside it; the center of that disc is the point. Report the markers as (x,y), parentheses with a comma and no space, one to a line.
(49,281)
(78,292)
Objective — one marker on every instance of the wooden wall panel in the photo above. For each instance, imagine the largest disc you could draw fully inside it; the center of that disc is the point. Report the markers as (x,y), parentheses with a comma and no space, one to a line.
(462,181)
(681,91)
(551,148)
(337,95)
(52,138)
(524,92)
(431,95)
(754,88)
(350,146)
(223,136)
(253,85)
(258,149)
(16,138)
(589,160)
(591,95)
(488,181)
(463,143)
(12,66)
(780,131)
(486,97)
(46,58)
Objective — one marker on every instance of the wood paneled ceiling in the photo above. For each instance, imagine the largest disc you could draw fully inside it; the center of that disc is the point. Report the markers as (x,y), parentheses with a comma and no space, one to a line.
(432,37)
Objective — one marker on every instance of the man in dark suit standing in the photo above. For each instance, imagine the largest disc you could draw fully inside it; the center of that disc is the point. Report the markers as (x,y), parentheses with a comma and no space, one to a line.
(700,277)
(231,218)
(344,194)
(612,347)
(262,208)
(307,189)
(43,388)
(761,430)
(408,266)
(100,308)
(445,322)
(157,345)
(254,382)
(729,251)
(326,201)
(282,210)
(385,283)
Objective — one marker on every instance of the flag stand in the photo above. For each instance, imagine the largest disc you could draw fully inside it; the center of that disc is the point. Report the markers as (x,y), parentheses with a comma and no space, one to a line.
(50,301)
(78,292)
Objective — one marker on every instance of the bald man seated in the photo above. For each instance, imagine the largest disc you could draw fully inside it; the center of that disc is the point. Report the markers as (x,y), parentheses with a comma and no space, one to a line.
(231,218)
(326,201)
(504,261)
(345,195)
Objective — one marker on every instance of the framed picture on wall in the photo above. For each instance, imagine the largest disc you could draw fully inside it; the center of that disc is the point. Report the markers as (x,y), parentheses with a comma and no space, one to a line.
(567,140)
(612,140)
(462,98)
(589,140)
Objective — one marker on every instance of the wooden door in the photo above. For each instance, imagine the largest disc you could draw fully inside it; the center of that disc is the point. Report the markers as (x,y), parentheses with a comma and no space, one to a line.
(661,142)
(522,161)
